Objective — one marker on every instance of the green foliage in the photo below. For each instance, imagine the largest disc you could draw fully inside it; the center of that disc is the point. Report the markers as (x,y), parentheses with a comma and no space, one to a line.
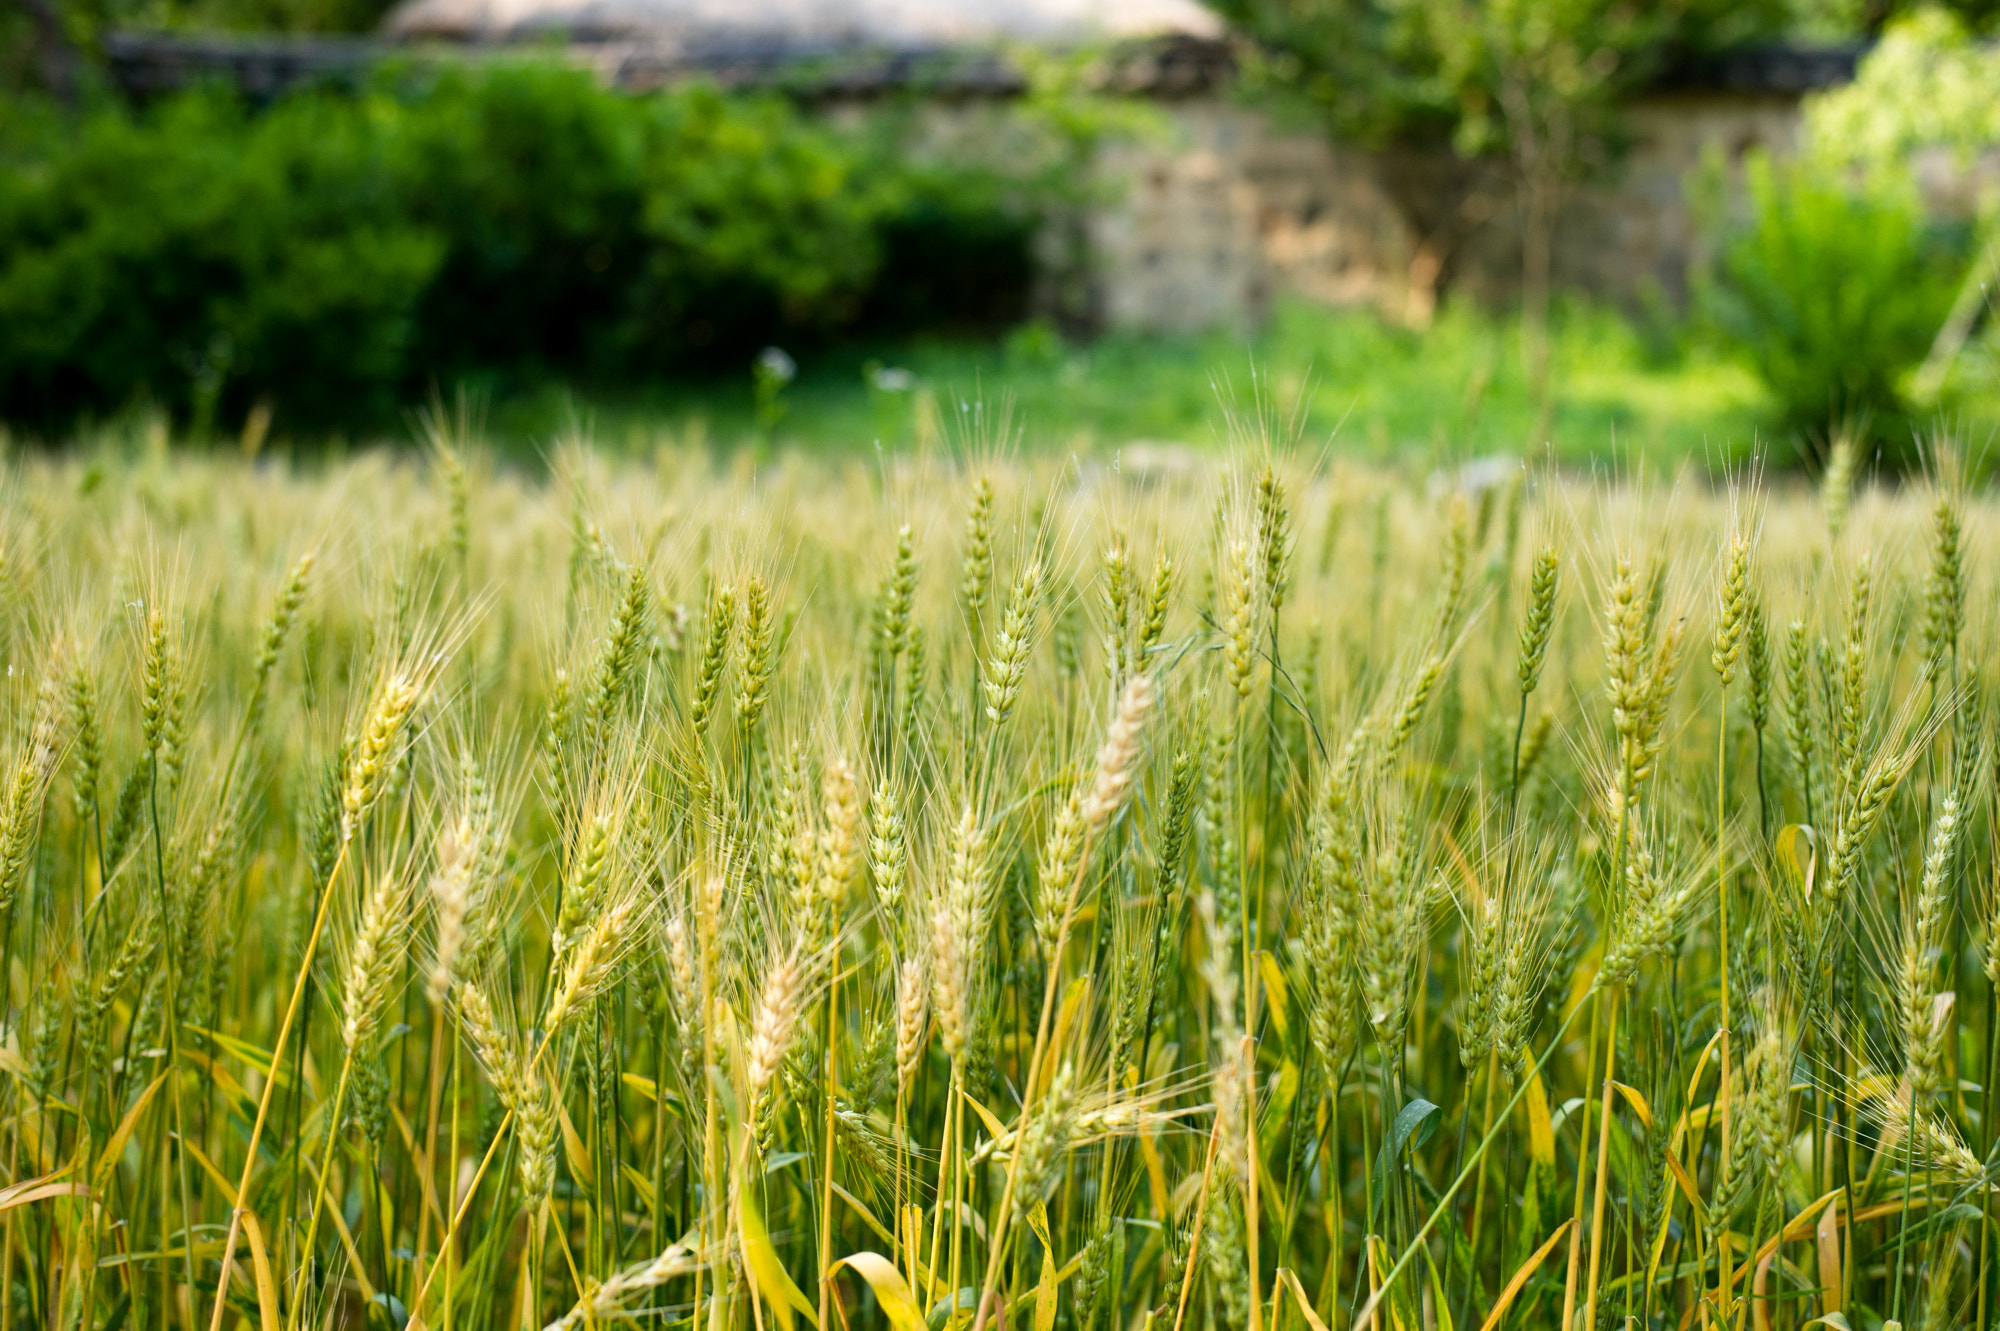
(358,16)
(334,253)
(1924,94)
(26,62)
(1842,20)
(1847,274)
(1833,290)
(139,254)
(745,197)
(1927,84)
(1432,72)
(534,175)
(1534,82)
(88,22)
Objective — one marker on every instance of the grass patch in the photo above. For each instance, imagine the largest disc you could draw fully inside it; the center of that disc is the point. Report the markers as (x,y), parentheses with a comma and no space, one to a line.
(1377,390)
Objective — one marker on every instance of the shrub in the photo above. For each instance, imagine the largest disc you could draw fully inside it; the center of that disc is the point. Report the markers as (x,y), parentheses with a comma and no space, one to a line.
(752,218)
(334,253)
(959,261)
(531,177)
(1833,289)
(135,254)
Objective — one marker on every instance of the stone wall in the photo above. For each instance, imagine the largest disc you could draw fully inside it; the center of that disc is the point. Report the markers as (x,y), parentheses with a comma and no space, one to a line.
(1222,212)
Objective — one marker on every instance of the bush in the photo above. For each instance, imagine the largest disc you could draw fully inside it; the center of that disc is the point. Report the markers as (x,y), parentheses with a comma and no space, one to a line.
(751,218)
(334,253)
(151,253)
(1833,290)
(959,261)
(531,175)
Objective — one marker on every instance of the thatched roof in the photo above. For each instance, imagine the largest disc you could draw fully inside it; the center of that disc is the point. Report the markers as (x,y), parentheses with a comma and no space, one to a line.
(704,30)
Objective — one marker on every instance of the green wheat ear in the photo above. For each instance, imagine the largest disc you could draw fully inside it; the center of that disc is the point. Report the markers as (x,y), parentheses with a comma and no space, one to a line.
(1538,624)
(713,933)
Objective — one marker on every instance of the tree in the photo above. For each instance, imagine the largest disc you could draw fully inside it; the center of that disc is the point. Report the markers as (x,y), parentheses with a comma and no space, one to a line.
(1532,85)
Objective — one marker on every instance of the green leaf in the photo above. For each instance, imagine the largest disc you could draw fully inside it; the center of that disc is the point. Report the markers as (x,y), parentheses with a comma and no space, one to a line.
(945,1308)
(1414,1124)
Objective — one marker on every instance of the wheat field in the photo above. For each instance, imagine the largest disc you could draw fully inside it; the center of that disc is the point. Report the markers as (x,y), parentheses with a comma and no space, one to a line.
(971,891)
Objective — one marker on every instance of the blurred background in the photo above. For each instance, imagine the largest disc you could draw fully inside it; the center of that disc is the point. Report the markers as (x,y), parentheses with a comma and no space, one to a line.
(1608,228)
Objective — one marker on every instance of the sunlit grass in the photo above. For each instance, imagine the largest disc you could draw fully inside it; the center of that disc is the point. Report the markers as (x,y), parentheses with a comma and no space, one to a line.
(1454,391)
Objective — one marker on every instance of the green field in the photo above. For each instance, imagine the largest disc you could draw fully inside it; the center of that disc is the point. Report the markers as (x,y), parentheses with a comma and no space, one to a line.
(1374,390)
(1260,892)
(1623,394)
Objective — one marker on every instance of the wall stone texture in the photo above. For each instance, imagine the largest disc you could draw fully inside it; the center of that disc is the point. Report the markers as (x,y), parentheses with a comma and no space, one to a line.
(1223,212)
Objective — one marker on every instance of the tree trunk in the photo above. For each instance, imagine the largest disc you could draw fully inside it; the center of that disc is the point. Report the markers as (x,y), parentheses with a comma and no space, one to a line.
(1439,202)
(1539,142)
(1537,240)
(55,54)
